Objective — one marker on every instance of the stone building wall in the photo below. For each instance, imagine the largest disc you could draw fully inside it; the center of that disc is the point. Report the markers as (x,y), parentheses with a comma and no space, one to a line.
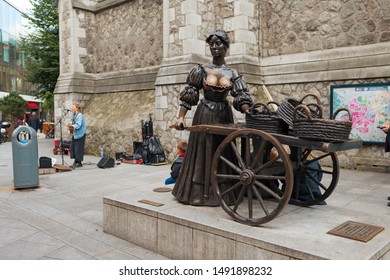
(116,51)
(111,51)
(296,26)
(116,128)
(123,37)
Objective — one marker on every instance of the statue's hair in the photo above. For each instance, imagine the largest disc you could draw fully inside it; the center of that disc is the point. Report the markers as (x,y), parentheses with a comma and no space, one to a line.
(222,35)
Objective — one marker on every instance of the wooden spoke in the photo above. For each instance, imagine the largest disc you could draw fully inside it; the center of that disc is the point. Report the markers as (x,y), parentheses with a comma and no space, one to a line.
(316,183)
(253,175)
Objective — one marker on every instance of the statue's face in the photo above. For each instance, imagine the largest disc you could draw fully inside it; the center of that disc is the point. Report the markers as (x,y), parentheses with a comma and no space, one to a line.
(217,47)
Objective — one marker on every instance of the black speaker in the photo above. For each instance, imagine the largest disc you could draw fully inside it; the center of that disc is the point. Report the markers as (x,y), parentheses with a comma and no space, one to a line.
(106,162)
(45,162)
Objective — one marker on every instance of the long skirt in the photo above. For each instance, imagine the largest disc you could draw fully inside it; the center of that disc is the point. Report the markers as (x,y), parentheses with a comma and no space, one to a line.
(193,185)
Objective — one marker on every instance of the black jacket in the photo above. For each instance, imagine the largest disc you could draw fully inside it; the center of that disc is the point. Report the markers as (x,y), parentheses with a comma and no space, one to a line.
(33,122)
(175,167)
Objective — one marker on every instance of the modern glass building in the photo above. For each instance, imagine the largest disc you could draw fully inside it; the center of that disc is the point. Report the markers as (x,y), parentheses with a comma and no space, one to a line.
(12,60)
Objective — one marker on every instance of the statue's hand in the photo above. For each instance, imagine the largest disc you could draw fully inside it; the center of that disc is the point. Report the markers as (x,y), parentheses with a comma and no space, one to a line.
(179,125)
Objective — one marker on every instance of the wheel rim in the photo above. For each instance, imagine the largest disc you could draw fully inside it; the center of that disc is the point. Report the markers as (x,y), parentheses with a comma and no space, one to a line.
(249,171)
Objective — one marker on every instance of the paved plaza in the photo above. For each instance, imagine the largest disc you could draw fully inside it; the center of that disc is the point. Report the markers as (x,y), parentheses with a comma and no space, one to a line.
(63,217)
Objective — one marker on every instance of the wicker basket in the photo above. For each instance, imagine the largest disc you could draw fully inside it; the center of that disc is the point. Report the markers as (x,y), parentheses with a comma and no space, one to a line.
(265,119)
(320,129)
(286,109)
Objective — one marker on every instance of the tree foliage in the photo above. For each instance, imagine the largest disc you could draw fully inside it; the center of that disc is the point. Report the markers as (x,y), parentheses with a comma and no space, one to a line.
(13,105)
(41,45)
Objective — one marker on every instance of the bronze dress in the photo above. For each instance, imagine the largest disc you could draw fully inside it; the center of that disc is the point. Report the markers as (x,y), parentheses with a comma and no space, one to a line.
(214,108)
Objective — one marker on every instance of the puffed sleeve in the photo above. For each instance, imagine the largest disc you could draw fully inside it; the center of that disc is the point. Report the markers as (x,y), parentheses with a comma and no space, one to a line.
(240,92)
(190,94)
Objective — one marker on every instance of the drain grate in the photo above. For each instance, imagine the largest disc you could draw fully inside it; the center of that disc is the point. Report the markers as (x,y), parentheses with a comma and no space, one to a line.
(356,231)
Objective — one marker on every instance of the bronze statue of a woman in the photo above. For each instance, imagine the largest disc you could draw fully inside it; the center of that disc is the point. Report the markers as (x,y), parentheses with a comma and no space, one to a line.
(217,80)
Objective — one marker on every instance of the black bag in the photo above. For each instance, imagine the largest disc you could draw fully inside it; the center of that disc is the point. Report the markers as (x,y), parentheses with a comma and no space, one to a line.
(152,150)
(45,162)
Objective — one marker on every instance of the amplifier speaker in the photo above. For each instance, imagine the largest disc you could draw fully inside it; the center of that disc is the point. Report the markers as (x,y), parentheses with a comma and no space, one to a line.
(106,162)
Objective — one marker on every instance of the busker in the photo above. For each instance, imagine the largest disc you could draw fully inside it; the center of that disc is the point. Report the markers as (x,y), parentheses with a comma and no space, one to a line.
(79,130)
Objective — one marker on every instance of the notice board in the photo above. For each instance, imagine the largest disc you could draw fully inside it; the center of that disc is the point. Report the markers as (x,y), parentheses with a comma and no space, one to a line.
(370,106)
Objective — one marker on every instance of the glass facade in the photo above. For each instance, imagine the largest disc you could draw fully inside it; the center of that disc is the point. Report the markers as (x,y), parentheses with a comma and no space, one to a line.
(11,58)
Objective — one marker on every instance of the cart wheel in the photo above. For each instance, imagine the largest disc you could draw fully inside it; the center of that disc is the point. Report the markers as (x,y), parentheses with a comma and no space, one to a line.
(55,151)
(243,163)
(319,175)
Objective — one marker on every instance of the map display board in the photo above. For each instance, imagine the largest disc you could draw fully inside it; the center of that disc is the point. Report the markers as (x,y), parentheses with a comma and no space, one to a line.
(370,106)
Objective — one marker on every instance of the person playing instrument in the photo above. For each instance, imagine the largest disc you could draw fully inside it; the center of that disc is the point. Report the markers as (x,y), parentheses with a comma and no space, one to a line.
(217,80)
(77,145)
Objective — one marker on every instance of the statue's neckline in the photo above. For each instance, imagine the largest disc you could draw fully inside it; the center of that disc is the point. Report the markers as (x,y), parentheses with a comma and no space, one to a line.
(212,65)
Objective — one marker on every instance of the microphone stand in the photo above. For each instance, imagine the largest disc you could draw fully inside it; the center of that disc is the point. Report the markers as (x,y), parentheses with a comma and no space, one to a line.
(61,143)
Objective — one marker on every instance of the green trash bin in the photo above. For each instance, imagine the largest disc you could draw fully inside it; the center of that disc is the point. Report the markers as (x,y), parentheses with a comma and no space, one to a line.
(25,157)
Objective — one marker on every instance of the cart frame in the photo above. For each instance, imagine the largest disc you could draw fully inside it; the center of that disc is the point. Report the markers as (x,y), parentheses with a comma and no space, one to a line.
(265,177)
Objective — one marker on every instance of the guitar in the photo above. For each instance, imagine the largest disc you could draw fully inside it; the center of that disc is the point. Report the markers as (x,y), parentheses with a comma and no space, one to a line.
(71,128)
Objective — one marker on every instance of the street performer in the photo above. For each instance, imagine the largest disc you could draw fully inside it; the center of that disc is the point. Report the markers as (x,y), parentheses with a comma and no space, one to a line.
(79,130)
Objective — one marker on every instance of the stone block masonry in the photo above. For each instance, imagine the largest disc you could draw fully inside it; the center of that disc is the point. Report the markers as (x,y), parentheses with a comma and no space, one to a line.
(117,50)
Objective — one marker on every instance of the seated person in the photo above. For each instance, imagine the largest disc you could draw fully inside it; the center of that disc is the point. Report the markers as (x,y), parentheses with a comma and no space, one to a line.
(175,167)
(307,181)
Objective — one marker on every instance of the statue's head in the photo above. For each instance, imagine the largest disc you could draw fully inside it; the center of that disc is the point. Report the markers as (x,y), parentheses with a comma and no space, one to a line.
(222,35)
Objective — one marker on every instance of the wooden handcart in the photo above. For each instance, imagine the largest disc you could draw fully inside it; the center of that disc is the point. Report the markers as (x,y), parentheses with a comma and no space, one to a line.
(264,170)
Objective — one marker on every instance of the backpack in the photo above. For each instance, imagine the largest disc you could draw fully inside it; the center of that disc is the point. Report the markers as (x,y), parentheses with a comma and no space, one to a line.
(152,150)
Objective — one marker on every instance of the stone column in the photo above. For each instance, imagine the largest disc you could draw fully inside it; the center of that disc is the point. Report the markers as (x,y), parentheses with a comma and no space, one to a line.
(71,34)
(183,47)
(245,37)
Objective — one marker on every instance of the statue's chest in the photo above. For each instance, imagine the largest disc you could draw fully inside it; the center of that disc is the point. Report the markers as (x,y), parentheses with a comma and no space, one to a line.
(218,77)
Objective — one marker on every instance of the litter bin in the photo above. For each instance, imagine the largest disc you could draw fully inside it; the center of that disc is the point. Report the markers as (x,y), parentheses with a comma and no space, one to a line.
(25,157)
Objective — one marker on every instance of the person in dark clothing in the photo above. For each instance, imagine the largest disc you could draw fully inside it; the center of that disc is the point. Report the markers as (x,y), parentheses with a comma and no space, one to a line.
(40,125)
(33,121)
(216,79)
(175,167)
(385,129)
